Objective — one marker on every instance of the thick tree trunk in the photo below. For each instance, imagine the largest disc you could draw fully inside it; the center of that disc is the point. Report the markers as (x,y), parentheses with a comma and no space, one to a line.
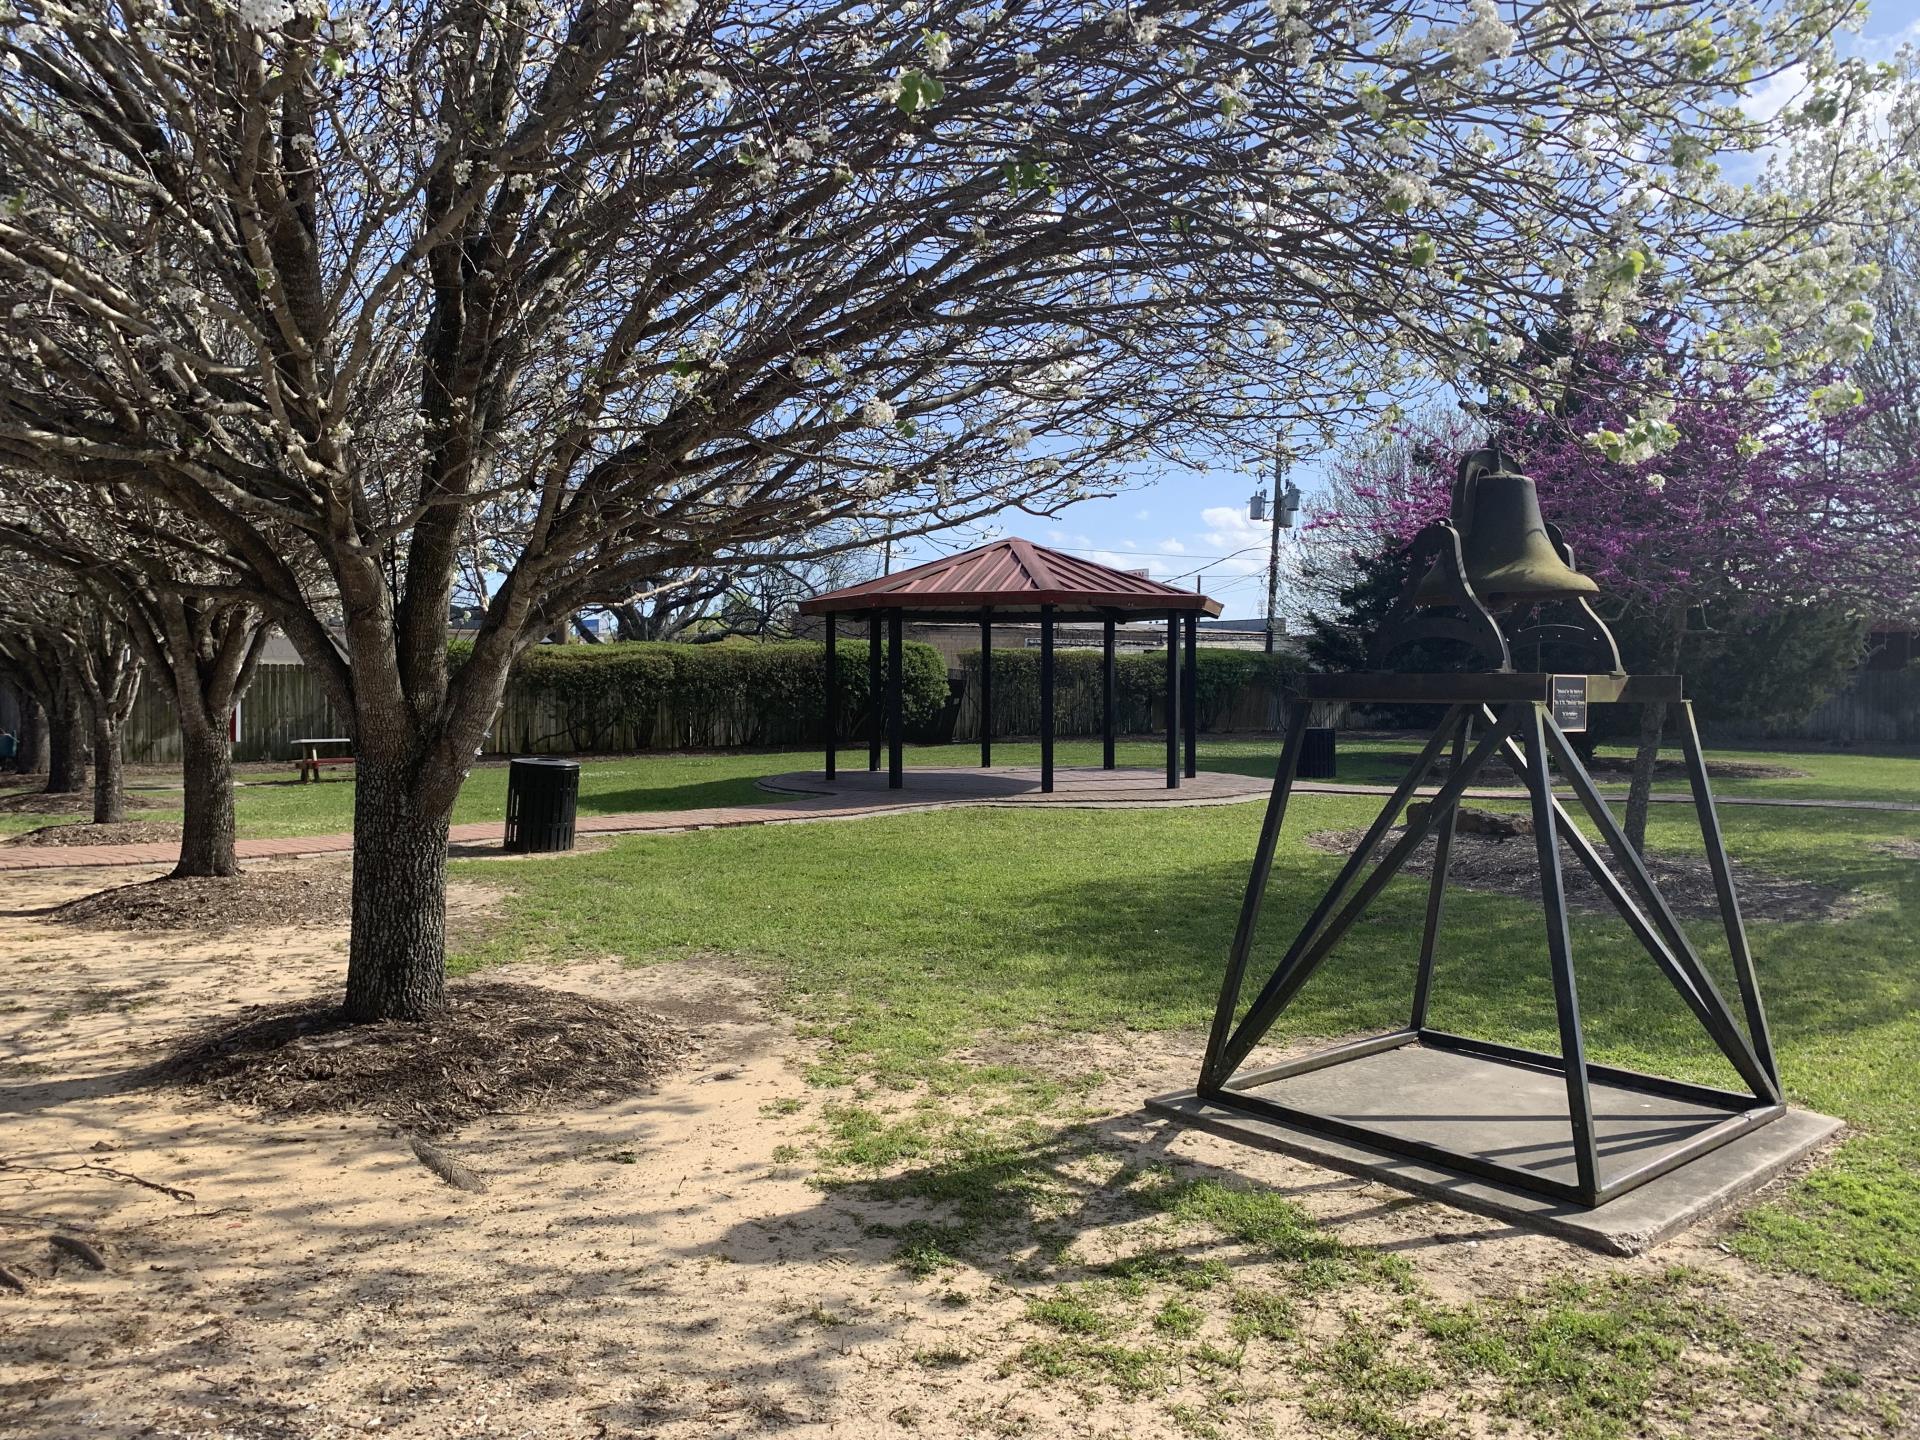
(206,838)
(66,750)
(396,965)
(109,783)
(33,738)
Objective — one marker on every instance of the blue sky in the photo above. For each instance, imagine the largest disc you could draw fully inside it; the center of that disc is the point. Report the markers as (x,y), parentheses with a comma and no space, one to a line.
(1192,526)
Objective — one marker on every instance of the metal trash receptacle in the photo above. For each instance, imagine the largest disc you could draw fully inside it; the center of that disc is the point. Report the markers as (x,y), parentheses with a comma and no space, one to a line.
(541,798)
(1316,753)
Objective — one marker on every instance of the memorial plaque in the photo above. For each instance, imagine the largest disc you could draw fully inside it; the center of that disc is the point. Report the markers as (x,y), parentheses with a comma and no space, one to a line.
(1570,702)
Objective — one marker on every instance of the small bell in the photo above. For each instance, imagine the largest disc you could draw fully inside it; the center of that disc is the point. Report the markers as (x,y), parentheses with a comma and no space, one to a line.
(1509,556)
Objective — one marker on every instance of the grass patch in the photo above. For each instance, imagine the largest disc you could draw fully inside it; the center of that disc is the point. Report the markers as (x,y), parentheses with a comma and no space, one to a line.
(1279,1230)
(1070,1312)
(1178,1319)
(1261,1315)
(1582,1359)
(1090,1364)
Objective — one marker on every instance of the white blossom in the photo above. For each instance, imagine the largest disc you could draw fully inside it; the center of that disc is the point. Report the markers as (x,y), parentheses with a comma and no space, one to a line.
(717,87)
(1484,37)
(264,14)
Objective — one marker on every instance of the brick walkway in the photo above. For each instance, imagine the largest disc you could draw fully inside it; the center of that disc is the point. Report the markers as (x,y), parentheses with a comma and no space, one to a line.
(806,796)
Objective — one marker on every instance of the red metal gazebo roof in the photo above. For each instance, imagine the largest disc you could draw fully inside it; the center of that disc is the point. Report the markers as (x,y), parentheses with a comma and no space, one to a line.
(1012,575)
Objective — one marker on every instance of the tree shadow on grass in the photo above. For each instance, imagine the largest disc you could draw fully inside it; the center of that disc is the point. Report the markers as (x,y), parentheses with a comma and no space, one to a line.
(698,795)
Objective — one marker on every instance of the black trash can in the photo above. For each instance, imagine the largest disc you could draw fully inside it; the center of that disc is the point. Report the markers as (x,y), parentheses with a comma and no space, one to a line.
(541,797)
(1316,753)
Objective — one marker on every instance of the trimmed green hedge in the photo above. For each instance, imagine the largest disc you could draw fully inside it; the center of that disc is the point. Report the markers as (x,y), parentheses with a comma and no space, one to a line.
(1225,682)
(653,694)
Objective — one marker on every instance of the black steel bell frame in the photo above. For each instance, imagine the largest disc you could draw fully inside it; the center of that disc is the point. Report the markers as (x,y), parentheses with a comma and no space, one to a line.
(1514,716)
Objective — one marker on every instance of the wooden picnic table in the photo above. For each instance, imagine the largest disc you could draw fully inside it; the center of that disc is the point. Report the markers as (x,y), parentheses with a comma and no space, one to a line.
(307,754)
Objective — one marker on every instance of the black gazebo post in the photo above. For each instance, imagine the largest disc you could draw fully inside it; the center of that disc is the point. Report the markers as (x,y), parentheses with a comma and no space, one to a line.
(986,689)
(1046,699)
(833,695)
(896,714)
(874,692)
(1173,699)
(1190,701)
(1107,687)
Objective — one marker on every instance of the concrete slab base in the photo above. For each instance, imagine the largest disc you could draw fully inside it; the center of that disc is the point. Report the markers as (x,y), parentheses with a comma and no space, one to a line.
(1516,1114)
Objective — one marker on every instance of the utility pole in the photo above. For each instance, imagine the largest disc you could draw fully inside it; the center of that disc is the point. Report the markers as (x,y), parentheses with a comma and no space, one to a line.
(1286,504)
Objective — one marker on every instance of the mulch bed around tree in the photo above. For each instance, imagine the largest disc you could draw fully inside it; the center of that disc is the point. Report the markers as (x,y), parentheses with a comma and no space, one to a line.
(1511,867)
(261,897)
(127,832)
(1620,767)
(494,1048)
(75,802)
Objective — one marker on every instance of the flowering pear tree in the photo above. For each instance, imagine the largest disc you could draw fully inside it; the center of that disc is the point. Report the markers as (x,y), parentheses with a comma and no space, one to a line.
(585,292)
(68,641)
(199,647)
(33,662)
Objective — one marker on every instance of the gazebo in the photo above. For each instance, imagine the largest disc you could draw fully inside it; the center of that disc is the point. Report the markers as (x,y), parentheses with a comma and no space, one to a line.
(1013,581)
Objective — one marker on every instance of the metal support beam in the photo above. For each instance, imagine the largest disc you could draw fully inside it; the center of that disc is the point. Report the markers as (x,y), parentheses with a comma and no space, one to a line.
(1309,950)
(1758,1035)
(1437,886)
(1046,699)
(986,690)
(1190,700)
(875,691)
(896,706)
(1214,1072)
(1173,699)
(1566,999)
(833,696)
(1662,937)
(1109,688)
(1256,893)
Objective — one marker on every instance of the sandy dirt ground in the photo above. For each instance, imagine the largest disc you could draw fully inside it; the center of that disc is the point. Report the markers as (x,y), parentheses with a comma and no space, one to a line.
(659,1266)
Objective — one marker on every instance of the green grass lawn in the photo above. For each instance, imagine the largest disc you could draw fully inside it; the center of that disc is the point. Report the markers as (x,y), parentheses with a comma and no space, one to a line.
(907,939)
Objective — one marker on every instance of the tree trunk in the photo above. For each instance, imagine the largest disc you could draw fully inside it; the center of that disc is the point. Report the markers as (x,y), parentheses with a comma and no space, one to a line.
(206,837)
(396,964)
(1653,724)
(109,788)
(1653,721)
(33,738)
(66,750)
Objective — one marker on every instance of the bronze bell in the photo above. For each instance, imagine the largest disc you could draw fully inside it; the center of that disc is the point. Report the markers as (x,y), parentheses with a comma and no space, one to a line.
(1503,539)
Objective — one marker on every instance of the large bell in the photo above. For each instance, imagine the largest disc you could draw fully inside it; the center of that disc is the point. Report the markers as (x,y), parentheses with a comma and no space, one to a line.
(1503,539)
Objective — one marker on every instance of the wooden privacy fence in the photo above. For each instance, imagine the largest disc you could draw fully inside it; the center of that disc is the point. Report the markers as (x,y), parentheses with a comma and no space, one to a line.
(283,704)
(1874,707)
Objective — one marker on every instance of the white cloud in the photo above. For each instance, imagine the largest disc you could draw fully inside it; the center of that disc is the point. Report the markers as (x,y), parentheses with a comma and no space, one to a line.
(1241,541)
(1775,93)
